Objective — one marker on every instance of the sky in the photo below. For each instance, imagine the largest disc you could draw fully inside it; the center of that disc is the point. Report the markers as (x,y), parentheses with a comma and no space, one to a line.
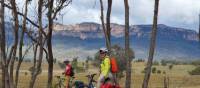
(177,13)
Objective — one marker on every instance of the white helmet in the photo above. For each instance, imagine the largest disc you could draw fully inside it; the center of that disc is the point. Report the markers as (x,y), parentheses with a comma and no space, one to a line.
(103,50)
(66,61)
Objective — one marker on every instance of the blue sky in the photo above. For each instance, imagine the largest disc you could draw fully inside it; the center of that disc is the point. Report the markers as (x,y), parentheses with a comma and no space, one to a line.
(178,13)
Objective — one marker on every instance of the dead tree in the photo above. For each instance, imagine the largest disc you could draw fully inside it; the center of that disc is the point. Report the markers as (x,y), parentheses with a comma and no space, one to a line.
(152,46)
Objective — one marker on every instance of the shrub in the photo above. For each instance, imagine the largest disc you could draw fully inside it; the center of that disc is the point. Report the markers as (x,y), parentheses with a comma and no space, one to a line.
(80,69)
(196,63)
(158,71)
(156,63)
(164,72)
(196,71)
(32,69)
(26,73)
(140,60)
(154,70)
(75,63)
(61,65)
(163,62)
(144,71)
(170,67)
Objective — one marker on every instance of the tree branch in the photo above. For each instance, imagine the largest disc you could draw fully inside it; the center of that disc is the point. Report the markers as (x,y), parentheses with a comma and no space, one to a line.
(61,6)
(29,20)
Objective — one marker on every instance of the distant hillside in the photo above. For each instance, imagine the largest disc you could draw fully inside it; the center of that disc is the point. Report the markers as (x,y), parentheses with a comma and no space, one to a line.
(172,42)
(84,39)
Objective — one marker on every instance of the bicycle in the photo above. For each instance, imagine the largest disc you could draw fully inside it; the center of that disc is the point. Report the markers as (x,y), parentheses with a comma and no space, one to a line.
(91,81)
(80,84)
(61,82)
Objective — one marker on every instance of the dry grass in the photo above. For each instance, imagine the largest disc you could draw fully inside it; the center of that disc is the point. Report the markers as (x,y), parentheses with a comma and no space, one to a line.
(178,76)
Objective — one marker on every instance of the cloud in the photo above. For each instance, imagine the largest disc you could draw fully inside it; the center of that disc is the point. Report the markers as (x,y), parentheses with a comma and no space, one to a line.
(179,13)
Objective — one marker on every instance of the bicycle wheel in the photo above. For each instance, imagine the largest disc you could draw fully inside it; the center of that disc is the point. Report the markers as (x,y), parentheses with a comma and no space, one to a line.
(59,86)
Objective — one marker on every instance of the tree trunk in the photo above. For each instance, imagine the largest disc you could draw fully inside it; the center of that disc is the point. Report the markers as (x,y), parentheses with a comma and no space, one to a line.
(128,59)
(165,82)
(152,46)
(2,43)
(32,81)
(7,77)
(41,44)
(49,44)
(103,26)
(13,53)
(108,23)
(21,45)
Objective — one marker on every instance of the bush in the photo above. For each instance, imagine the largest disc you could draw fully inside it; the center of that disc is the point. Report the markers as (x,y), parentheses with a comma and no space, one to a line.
(61,65)
(163,62)
(164,72)
(170,67)
(27,60)
(158,71)
(196,63)
(96,62)
(32,69)
(155,63)
(86,66)
(154,70)
(80,69)
(75,63)
(196,71)
(26,73)
(144,71)
(140,60)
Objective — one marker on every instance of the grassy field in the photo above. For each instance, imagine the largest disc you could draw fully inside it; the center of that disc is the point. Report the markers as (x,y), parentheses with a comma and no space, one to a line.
(178,76)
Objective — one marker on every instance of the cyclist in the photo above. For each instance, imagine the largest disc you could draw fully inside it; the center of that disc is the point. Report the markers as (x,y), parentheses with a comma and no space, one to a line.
(68,72)
(104,66)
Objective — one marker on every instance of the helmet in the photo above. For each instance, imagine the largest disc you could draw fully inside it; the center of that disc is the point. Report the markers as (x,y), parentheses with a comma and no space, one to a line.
(66,61)
(103,50)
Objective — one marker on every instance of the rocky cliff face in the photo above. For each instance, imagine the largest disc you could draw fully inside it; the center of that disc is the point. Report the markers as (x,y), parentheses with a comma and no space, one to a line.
(172,42)
(94,30)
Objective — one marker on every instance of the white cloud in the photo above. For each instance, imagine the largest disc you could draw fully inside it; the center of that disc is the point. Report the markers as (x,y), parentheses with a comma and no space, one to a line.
(180,13)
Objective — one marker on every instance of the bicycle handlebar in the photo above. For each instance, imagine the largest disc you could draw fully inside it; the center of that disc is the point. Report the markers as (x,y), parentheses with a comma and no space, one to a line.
(91,75)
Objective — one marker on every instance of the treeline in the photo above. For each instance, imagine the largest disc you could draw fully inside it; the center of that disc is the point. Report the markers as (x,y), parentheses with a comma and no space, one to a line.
(173,62)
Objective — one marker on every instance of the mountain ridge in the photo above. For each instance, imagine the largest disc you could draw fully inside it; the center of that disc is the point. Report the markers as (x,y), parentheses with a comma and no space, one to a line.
(118,30)
(84,39)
